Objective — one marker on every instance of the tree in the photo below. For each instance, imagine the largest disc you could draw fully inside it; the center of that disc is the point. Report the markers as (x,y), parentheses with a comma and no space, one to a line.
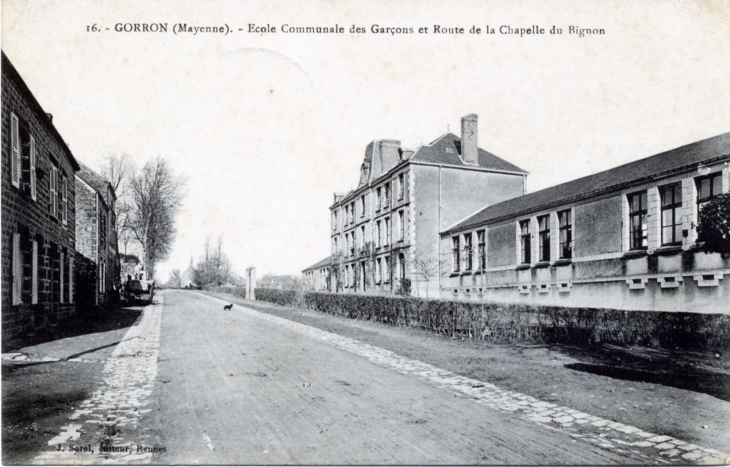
(119,170)
(713,229)
(214,267)
(174,280)
(154,201)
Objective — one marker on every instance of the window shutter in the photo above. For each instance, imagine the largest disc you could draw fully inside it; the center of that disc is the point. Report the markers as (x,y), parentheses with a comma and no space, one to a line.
(71,279)
(61,271)
(34,274)
(33,162)
(65,201)
(17,270)
(15,145)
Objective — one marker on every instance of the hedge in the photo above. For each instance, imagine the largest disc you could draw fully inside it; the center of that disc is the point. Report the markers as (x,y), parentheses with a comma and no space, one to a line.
(511,322)
(229,289)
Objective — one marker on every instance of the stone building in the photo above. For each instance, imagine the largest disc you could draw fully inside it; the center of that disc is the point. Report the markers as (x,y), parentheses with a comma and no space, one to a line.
(282,282)
(96,232)
(623,238)
(317,276)
(385,233)
(38,215)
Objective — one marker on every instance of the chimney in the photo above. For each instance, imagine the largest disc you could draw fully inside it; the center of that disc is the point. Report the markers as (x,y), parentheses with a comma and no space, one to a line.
(50,116)
(469,147)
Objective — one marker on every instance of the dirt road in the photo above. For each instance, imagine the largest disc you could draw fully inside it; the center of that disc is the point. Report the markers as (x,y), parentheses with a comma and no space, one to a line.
(235,388)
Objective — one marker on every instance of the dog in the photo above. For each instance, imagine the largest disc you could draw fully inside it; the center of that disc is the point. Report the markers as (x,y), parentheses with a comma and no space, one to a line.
(228,307)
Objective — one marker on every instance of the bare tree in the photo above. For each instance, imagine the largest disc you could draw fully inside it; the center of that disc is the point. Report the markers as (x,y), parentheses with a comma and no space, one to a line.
(175,280)
(214,267)
(155,198)
(426,267)
(118,170)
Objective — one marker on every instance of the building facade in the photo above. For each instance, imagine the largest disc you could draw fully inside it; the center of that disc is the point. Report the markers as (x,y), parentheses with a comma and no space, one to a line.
(270,281)
(623,238)
(96,232)
(317,277)
(385,233)
(38,215)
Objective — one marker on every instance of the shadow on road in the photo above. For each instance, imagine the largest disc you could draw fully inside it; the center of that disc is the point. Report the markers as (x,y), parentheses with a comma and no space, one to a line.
(707,382)
(89,321)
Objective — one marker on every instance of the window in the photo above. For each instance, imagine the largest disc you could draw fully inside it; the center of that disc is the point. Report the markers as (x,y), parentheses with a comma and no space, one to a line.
(707,188)
(482,250)
(378,194)
(467,252)
(455,253)
(543,223)
(387,268)
(401,266)
(362,206)
(363,277)
(387,231)
(334,245)
(671,196)
(525,242)
(362,236)
(566,234)
(387,194)
(401,185)
(638,228)
(378,270)
(352,213)
(350,240)
(53,181)
(378,236)
(334,221)
(401,225)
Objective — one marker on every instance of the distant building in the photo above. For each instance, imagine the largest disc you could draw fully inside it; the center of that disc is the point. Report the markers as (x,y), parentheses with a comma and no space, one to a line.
(623,238)
(95,230)
(317,276)
(38,215)
(385,233)
(270,281)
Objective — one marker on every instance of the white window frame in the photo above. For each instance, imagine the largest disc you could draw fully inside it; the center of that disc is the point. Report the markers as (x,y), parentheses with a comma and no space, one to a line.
(53,182)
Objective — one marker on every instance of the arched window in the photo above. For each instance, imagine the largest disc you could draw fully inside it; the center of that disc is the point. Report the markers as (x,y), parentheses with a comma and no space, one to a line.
(401,266)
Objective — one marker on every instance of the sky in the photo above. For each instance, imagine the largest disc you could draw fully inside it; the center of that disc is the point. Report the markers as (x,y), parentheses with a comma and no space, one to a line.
(265,127)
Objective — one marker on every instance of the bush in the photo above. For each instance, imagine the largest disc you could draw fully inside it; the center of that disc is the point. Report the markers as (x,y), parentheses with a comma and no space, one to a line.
(506,322)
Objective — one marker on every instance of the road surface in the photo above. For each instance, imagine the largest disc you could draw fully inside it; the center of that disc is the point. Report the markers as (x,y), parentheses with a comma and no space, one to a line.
(266,394)
(192,383)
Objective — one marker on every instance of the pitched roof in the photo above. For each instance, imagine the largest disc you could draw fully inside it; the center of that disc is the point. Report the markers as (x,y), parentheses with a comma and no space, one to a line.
(668,162)
(322,263)
(447,149)
(96,181)
(9,69)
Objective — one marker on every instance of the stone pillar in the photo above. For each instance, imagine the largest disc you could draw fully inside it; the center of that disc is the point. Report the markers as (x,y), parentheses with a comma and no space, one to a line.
(250,283)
